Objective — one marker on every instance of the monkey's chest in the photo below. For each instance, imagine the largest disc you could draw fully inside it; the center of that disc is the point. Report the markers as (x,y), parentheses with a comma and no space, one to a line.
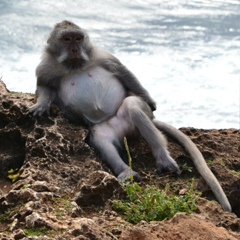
(94,93)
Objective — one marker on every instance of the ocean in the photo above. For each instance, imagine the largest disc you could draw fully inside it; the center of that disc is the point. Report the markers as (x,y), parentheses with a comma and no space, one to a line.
(185,53)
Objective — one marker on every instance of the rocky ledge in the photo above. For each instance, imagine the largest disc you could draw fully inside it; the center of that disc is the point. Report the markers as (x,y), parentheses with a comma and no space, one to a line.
(62,190)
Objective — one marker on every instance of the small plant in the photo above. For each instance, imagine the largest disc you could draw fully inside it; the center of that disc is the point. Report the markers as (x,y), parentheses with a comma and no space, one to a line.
(62,207)
(186,168)
(36,232)
(129,157)
(151,204)
(5,216)
(13,174)
(236,173)
(222,163)
(210,161)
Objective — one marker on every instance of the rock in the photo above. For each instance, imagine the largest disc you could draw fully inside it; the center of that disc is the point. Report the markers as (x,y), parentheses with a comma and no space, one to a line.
(34,220)
(87,229)
(23,196)
(97,189)
(66,190)
(180,227)
(19,234)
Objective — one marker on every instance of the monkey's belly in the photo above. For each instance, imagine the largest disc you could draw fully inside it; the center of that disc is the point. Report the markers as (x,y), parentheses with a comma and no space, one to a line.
(95,93)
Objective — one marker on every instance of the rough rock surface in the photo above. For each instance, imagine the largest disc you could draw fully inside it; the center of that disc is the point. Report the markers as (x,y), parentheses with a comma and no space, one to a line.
(63,189)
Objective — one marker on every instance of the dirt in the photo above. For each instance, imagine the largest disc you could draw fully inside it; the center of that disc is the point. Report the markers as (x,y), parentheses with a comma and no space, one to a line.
(63,190)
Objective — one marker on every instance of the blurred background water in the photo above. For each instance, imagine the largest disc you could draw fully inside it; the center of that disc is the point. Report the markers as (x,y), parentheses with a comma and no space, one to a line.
(186,53)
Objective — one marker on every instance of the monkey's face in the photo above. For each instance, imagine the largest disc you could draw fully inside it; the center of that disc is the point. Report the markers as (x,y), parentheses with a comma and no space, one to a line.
(70,46)
(72,43)
(73,49)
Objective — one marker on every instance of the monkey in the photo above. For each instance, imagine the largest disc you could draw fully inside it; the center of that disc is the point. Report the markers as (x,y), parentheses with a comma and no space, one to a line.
(91,86)
(77,54)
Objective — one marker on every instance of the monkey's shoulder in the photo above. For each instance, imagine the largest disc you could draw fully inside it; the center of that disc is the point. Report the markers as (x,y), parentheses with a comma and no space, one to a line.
(102,57)
(48,71)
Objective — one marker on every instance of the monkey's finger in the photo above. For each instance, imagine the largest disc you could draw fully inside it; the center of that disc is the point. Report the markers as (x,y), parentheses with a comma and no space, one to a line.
(37,111)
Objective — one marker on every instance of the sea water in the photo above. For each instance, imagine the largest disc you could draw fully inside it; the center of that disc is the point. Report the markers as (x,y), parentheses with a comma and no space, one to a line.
(185,53)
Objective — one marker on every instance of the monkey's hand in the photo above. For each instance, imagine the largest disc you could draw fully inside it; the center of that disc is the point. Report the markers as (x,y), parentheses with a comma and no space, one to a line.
(39,109)
(45,97)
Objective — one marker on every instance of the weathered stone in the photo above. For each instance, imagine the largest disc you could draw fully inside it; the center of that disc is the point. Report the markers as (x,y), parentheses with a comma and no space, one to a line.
(87,229)
(76,210)
(96,189)
(56,167)
(19,234)
(34,220)
(22,195)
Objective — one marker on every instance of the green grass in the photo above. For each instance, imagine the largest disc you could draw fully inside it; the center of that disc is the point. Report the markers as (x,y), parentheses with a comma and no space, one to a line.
(186,168)
(5,216)
(36,232)
(153,204)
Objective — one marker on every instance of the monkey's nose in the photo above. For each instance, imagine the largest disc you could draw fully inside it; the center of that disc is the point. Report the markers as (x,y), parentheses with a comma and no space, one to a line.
(74,50)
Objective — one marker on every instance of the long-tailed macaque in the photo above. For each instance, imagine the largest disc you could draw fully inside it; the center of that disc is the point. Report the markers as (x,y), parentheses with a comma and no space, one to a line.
(88,83)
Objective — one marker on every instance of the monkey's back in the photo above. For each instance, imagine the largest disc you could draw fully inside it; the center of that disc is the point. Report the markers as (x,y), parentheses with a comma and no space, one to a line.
(94,93)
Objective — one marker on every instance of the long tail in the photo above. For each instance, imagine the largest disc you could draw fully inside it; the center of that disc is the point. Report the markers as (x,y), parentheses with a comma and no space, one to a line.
(198,161)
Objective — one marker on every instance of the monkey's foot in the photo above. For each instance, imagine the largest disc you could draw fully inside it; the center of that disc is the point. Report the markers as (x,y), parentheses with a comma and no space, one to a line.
(128,175)
(168,166)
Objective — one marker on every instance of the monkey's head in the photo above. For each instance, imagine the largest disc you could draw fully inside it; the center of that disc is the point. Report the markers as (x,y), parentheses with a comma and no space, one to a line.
(69,44)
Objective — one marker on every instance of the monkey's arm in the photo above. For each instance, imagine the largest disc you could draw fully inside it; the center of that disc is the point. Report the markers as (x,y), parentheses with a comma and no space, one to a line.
(45,97)
(129,81)
(48,75)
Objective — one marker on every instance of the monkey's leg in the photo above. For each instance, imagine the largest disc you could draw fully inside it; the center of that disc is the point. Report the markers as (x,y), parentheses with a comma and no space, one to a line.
(105,140)
(141,115)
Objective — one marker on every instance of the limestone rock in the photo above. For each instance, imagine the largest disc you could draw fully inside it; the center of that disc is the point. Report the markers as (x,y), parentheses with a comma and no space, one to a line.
(96,189)
(63,189)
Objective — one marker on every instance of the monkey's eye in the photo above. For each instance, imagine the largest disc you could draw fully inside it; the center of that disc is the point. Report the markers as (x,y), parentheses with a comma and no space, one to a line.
(67,39)
(79,38)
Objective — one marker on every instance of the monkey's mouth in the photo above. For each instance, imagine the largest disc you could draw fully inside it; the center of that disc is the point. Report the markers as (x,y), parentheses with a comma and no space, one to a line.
(74,62)
(75,56)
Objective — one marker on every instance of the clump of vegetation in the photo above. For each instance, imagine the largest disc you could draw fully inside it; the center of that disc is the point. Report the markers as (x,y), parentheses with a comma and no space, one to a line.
(36,232)
(186,168)
(62,207)
(13,174)
(5,216)
(151,203)
(236,173)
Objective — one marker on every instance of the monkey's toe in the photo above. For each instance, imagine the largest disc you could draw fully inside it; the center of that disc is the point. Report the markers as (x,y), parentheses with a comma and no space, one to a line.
(169,167)
(129,175)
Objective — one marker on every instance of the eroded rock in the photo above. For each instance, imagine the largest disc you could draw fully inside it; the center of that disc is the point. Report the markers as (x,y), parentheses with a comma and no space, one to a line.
(181,227)
(97,189)
(64,188)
